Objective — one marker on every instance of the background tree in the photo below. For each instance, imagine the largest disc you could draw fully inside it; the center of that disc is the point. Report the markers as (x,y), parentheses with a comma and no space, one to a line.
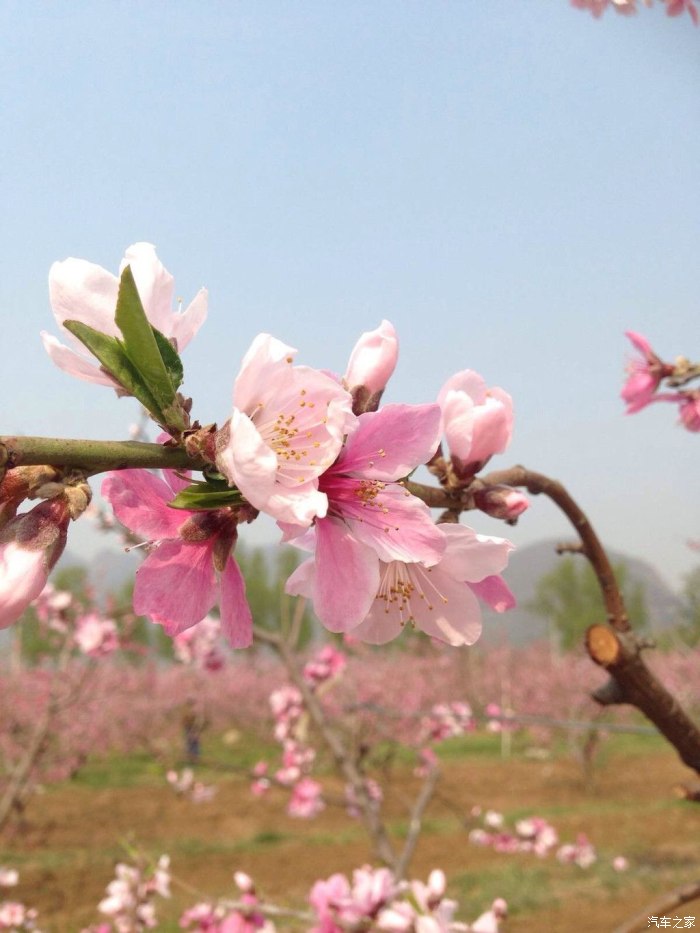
(690,612)
(569,598)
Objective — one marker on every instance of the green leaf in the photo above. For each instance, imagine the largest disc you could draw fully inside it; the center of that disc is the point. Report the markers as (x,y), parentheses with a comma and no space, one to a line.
(202,496)
(171,358)
(140,343)
(112,355)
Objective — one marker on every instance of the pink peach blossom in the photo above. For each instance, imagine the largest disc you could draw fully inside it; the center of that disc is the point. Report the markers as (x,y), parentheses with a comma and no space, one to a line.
(644,375)
(190,566)
(371,517)
(287,427)
(439,600)
(82,291)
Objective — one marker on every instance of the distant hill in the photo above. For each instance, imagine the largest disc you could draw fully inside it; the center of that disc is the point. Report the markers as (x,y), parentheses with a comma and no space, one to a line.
(529,564)
(110,569)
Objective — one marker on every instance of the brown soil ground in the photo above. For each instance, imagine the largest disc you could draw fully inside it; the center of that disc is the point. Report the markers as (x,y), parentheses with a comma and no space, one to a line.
(71,840)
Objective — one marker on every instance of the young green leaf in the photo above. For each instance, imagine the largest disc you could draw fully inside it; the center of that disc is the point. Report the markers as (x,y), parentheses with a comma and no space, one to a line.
(141,344)
(202,497)
(111,354)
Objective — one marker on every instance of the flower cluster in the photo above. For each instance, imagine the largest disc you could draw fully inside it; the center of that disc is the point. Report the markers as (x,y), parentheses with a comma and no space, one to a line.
(185,785)
(312,450)
(243,917)
(447,721)
(535,835)
(290,729)
(374,900)
(129,897)
(646,373)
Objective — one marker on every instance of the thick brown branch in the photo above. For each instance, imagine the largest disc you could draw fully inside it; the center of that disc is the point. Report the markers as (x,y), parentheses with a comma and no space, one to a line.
(615,648)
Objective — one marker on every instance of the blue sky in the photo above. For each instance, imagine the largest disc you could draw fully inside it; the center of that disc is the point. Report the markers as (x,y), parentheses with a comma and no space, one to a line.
(512,184)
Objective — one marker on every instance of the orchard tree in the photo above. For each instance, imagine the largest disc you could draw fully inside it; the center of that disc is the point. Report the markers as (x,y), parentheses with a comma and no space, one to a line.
(569,598)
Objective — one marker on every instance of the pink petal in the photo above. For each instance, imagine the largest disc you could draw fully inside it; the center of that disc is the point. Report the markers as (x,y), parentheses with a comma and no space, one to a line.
(388,444)
(83,291)
(176,585)
(139,500)
(347,577)
(302,582)
(493,426)
(298,505)
(458,412)
(639,343)
(154,285)
(373,358)
(467,381)
(266,369)
(471,557)
(236,619)
(457,619)
(23,574)
(395,524)
(186,325)
(248,462)
(495,592)
(73,363)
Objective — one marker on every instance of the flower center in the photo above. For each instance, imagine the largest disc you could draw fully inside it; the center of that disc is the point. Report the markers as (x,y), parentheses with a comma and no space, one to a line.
(400,583)
(296,432)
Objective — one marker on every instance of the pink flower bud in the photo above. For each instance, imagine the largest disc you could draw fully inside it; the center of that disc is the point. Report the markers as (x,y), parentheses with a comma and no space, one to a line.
(30,545)
(478,421)
(373,359)
(501,502)
(689,410)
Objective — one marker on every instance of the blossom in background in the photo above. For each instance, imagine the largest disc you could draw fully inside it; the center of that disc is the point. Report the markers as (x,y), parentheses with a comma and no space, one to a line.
(287,427)
(190,567)
(95,636)
(198,645)
(580,853)
(306,800)
(9,877)
(30,545)
(371,517)
(644,375)
(477,421)
(340,905)
(82,291)
(440,600)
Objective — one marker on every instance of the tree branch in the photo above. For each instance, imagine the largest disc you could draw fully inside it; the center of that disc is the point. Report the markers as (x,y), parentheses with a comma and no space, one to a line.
(662,906)
(93,456)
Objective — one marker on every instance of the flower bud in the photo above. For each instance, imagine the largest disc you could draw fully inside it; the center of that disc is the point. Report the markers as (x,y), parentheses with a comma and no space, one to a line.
(689,410)
(478,421)
(371,364)
(30,545)
(501,502)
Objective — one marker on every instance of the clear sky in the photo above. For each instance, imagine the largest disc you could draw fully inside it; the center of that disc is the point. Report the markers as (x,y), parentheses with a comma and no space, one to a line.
(512,184)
